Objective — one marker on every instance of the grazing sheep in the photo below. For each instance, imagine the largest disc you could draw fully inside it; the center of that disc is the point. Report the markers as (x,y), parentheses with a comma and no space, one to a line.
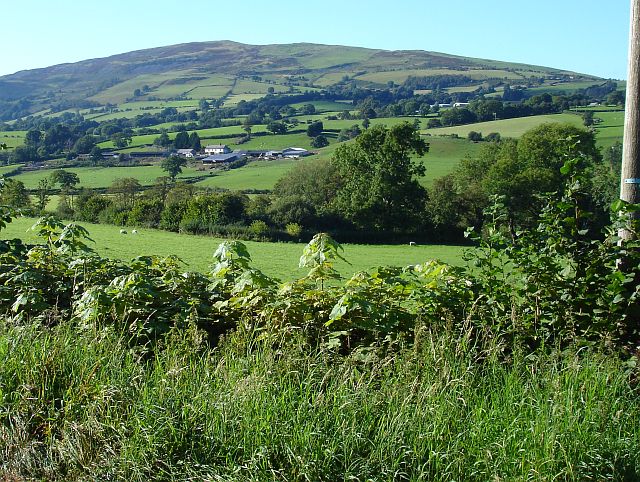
(123,231)
(412,243)
(134,231)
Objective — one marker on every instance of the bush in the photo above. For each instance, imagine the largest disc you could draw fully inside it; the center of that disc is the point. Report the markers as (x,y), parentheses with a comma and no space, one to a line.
(294,230)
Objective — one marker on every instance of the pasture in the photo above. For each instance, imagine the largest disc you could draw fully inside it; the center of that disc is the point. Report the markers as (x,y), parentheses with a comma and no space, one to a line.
(507,127)
(102,177)
(255,175)
(611,129)
(274,259)
(12,138)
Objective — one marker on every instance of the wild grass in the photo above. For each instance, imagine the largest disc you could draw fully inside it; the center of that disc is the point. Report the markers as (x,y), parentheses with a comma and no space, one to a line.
(78,403)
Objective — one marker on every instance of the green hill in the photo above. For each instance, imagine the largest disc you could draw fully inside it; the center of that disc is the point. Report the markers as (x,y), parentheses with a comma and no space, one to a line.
(239,71)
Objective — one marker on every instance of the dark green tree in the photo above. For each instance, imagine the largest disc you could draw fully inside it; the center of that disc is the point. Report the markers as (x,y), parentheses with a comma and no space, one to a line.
(379,181)
(182,140)
(14,194)
(315,129)
(194,141)
(173,166)
(319,141)
(277,127)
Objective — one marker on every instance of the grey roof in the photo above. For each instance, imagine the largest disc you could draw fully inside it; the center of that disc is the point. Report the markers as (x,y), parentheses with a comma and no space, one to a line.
(221,157)
(217,146)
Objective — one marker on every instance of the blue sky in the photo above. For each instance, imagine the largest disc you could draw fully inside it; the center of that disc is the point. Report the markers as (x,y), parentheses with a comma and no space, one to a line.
(588,36)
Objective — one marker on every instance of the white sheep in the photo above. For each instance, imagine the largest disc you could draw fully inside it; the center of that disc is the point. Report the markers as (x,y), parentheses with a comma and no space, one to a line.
(134,231)
(412,243)
(123,231)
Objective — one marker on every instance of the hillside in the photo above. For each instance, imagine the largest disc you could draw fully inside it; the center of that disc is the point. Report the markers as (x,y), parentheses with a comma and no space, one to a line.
(220,69)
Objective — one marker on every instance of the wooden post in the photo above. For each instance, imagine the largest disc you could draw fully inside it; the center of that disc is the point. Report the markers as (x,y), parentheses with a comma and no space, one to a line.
(630,179)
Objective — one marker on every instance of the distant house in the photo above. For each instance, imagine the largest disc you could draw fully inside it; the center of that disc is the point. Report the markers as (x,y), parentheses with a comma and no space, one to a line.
(186,152)
(222,158)
(295,152)
(461,104)
(217,149)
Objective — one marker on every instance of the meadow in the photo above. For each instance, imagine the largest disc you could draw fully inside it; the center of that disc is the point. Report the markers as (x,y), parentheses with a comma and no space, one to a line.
(12,138)
(102,177)
(611,129)
(279,260)
(507,127)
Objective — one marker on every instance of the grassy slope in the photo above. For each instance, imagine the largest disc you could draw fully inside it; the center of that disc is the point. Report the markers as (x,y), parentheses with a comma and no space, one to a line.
(507,127)
(611,128)
(275,259)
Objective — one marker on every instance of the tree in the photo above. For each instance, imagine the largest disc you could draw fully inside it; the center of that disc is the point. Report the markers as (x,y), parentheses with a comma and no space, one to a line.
(43,193)
(366,123)
(379,181)
(319,142)
(121,140)
(277,127)
(67,181)
(84,145)
(182,140)
(173,166)
(616,97)
(315,129)
(474,136)
(125,190)
(194,141)
(308,109)
(587,118)
(14,194)
(96,155)
(163,140)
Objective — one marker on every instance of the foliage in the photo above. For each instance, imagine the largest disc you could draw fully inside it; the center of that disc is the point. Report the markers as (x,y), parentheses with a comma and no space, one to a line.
(379,186)
(173,165)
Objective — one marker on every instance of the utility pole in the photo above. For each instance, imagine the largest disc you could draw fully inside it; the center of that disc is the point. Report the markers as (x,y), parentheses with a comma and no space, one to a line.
(630,180)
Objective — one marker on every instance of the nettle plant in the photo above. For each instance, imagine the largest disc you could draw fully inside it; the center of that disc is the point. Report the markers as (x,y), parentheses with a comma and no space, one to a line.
(559,282)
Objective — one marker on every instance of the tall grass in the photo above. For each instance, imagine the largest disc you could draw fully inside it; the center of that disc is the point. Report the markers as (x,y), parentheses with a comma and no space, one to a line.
(78,403)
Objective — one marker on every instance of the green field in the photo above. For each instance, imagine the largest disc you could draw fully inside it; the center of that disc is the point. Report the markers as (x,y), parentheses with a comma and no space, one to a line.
(611,129)
(399,76)
(101,177)
(567,87)
(325,105)
(12,138)
(507,127)
(444,155)
(275,259)
(255,175)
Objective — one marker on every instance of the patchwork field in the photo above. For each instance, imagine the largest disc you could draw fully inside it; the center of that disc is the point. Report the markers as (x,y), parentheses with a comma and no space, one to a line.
(275,259)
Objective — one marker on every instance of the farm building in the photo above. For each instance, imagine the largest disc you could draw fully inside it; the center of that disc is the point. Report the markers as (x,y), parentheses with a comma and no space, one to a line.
(222,158)
(217,149)
(295,152)
(186,152)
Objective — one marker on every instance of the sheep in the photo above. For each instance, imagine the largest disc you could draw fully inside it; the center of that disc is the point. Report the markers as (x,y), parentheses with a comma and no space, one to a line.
(412,243)
(134,231)
(123,231)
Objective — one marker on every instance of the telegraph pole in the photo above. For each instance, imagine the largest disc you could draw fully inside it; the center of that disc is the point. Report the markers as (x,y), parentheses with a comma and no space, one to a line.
(630,179)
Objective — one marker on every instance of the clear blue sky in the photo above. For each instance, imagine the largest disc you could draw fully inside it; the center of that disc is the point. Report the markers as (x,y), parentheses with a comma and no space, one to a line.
(588,36)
